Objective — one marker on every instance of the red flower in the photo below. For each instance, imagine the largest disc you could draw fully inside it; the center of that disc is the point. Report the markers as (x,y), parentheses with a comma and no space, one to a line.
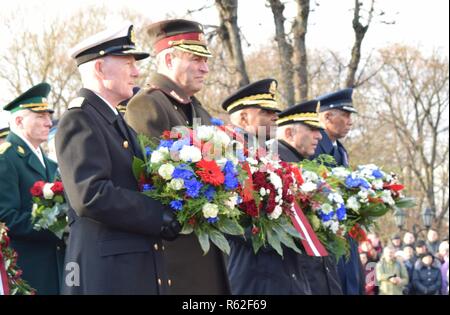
(394,187)
(37,188)
(259,179)
(255,230)
(298,175)
(210,172)
(192,221)
(58,188)
(357,233)
(250,208)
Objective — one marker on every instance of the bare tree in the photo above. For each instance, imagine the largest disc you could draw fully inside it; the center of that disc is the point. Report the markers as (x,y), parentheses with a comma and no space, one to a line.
(299,29)
(285,52)
(230,35)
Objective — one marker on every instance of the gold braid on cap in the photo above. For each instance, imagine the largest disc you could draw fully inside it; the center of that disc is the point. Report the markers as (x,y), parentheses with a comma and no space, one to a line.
(300,117)
(264,100)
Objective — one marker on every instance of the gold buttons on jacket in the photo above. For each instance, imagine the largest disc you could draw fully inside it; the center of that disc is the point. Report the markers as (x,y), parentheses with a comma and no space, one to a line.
(169,282)
(155,246)
(159,281)
(125,144)
(162,247)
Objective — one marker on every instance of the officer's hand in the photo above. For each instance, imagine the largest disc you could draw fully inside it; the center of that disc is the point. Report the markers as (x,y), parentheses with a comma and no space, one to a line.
(170,226)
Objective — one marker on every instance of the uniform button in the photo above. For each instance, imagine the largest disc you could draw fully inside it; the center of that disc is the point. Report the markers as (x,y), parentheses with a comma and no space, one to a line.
(155,246)
(159,281)
(327,269)
(176,108)
(163,248)
(58,248)
(169,282)
(294,276)
(187,122)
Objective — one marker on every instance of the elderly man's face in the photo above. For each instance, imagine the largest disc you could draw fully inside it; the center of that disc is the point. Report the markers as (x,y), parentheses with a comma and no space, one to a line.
(261,122)
(338,123)
(120,74)
(306,139)
(35,126)
(189,71)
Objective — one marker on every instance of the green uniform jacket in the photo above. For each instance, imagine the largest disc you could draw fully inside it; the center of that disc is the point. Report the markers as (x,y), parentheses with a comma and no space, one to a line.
(41,253)
(153,110)
(385,270)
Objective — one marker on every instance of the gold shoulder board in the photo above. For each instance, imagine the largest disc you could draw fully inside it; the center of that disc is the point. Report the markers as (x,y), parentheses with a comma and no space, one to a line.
(4,146)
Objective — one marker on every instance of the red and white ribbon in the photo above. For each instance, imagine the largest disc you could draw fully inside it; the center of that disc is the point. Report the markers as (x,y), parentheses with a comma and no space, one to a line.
(4,288)
(309,239)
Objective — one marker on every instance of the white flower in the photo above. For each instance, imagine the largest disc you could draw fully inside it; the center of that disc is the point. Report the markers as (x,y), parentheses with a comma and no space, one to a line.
(363,196)
(205,133)
(252,161)
(221,138)
(310,176)
(340,172)
(352,203)
(386,196)
(159,155)
(332,225)
(190,154)
(275,213)
(275,180)
(326,208)
(210,210)
(33,209)
(337,198)
(166,171)
(378,184)
(47,191)
(176,184)
(232,201)
(308,187)
(262,191)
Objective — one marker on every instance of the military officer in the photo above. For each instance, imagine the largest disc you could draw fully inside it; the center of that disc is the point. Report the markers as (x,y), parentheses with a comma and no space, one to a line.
(254,108)
(115,244)
(168,101)
(336,110)
(22,163)
(298,134)
(4,125)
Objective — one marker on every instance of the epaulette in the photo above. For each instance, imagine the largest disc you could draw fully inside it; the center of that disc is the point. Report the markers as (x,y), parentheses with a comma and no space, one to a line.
(4,147)
(76,102)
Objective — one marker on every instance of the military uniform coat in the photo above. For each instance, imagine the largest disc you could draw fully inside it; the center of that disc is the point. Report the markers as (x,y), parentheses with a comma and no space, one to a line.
(157,108)
(41,253)
(350,270)
(114,229)
(321,271)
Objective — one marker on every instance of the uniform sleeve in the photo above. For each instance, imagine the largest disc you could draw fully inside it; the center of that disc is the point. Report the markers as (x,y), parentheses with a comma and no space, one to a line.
(146,114)
(403,275)
(86,168)
(12,213)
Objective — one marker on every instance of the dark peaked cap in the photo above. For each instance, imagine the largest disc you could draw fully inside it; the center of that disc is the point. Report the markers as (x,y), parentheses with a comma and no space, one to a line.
(181,34)
(304,113)
(260,94)
(118,41)
(337,100)
(34,99)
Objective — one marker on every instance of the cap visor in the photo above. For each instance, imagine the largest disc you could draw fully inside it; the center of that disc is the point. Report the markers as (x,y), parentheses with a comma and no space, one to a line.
(138,55)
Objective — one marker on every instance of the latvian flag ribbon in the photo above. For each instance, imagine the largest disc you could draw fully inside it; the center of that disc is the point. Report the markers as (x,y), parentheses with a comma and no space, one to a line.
(309,239)
(4,288)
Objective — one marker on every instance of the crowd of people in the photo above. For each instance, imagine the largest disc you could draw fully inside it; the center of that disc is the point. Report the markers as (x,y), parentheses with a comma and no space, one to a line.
(405,266)
(124,242)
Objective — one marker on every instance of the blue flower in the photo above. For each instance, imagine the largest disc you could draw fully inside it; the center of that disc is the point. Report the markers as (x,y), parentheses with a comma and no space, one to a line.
(148,152)
(231,181)
(352,182)
(377,173)
(213,220)
(165,144)
(326,217)
(183,173)
(178,145)
(210,193)
(192,187)
(216,122)
(341,212)
(147,187)
(176,205)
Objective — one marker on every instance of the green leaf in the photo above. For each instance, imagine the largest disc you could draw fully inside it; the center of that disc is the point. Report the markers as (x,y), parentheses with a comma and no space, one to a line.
(187,229)
(138,167)
(406,202)
(220,241)
(274,242)
(285,238)
(203,240)
(230,227)
(257,243)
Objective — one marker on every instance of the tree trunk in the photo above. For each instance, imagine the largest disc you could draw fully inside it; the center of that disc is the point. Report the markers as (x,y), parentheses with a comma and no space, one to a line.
(360,32)
(229,34)
(286,51)
(300,58)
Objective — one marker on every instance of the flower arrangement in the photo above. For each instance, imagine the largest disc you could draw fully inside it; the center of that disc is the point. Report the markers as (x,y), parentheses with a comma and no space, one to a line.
(195,172)
(10,281)
(269,211)
(49,209)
